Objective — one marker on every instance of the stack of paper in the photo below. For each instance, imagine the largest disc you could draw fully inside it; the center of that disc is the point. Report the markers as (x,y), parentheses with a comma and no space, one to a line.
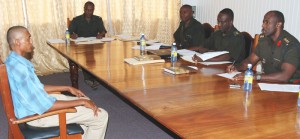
(229,75)
(279,87)
(181,70)
(186,52)
(189,59)
(134,61)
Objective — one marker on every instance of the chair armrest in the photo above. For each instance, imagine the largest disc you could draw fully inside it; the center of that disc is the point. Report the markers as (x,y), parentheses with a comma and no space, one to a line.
(46,114)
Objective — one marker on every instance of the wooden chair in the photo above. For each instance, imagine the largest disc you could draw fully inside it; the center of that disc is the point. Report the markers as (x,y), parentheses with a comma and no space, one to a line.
(248,43)
(208,29)
(255,42)
(216,27)
(68,22)
(18,129)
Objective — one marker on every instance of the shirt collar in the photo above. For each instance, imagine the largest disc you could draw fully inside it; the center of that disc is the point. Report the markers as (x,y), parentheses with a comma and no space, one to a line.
(21,59)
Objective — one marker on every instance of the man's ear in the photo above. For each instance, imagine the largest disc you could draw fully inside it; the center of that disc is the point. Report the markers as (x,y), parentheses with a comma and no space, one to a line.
(16,42)
(279,25)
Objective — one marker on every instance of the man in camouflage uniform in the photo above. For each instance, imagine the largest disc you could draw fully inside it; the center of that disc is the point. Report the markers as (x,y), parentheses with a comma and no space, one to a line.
(227,38)
(277,49)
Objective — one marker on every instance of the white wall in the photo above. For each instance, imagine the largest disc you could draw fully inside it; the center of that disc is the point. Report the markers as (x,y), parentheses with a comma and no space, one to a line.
(248,14)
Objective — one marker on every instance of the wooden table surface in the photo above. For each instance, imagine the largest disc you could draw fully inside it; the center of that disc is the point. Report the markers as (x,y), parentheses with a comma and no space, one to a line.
(199,105)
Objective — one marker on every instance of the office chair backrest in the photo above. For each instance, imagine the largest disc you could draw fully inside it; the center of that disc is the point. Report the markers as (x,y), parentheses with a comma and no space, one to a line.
(255,42)
(208,29)
(248,43)
(68,22)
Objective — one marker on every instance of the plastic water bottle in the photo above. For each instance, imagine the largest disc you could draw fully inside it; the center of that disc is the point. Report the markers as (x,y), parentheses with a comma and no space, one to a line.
(299,100)
(67,33)
(142,45)
(248,79)
(173,54)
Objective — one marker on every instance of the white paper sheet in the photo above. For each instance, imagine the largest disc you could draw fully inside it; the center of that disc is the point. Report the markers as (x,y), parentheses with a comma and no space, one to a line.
(209,55)
(56,41)
(133,61)
(189,59)
(90,42)
(106,39)
(228,75)
(215,63)
(83,39)
(279,87)
(185,52)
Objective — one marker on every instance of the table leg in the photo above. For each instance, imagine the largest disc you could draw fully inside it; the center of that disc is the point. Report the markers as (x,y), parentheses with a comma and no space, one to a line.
(74,73)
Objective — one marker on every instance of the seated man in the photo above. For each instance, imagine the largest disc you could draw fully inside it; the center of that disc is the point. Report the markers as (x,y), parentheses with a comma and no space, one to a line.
(190,31)
(277,49)
(31,97)
(88,25)
(228,38)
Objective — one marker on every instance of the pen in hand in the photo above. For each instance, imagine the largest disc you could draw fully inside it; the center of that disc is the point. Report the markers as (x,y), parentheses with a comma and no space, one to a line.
(231,67)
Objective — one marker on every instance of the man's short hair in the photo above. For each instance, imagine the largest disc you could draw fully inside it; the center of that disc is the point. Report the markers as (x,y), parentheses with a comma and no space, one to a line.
(187,6)
(279,16)
(89,3)
(228,12)
(10,33)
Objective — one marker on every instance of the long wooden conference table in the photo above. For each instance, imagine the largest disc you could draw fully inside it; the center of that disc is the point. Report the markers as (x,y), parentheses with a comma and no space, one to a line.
(199,105)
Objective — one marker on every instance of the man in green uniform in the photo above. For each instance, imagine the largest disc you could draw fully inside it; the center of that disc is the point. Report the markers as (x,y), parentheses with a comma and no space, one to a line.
(88,25)
(277,49)
(227,38)
(190,31)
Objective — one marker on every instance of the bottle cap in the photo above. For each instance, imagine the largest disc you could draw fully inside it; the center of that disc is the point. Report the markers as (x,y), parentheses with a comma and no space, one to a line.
(249,65)
(174,43)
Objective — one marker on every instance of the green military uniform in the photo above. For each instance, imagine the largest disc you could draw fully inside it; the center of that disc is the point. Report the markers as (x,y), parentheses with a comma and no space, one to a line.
(233,42)
(192,35)
(83,28)
(273,55)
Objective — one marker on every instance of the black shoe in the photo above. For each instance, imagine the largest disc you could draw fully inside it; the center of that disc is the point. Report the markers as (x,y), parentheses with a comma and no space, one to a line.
(93,84)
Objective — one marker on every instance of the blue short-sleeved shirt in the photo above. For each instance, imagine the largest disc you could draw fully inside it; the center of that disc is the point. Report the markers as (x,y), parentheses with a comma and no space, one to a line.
(28,93)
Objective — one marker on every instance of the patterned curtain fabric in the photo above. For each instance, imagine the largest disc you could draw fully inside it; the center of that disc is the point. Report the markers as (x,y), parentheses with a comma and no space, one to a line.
(157,19)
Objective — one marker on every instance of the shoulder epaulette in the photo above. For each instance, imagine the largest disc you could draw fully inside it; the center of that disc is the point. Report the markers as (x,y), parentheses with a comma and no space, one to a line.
(286,41)
(235,33)
(261,36)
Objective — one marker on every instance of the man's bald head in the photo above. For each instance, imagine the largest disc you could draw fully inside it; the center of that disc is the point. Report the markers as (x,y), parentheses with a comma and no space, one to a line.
(13,33)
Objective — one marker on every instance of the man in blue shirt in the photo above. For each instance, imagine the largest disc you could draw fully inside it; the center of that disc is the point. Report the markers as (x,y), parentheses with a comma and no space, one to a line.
(30,96)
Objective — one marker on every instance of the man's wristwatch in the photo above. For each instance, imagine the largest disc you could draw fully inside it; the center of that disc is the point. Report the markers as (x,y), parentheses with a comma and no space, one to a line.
(258,77)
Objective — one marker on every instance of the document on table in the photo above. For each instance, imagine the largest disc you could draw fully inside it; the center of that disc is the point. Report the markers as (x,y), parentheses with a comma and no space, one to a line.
(189,59)
(106,39)
(279,87)
(133,61)
(228,75)
(56,41)
(90,42)
(209,55)
(83,39)
(185,52)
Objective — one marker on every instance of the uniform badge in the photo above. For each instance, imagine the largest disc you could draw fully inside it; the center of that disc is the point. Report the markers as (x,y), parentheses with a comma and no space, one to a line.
(286,41)
(261,36)
(278,43)
(263,61)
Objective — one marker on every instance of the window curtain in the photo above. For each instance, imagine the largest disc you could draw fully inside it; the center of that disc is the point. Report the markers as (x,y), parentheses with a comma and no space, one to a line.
(157,19)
